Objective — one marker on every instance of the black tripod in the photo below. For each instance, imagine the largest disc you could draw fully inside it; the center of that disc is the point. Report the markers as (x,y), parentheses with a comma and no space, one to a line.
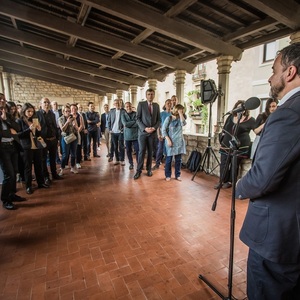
(231,158)
(208,151)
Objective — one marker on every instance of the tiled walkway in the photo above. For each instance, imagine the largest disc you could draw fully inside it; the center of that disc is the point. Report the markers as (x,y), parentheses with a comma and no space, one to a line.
(101,235)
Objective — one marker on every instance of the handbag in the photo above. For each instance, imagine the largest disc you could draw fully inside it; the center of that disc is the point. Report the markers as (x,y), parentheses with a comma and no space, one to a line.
(70,138)
(40,143)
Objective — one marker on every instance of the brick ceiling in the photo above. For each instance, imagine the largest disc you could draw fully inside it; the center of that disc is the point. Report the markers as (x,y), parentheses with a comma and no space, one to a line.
(103,45)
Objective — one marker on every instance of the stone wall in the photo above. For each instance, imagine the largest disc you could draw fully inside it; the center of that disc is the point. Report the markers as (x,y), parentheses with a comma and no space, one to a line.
(25,89)
(200,143)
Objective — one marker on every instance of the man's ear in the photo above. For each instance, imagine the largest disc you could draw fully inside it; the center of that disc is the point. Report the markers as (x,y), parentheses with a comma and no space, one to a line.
(291,73)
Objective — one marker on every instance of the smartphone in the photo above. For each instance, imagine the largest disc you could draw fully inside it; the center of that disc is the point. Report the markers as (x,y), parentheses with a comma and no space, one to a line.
(35,121)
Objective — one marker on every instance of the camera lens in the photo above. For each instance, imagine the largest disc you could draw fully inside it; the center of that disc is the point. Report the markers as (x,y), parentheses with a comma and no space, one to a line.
(71,116)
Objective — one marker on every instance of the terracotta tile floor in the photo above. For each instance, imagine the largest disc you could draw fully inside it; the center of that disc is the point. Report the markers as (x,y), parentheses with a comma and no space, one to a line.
(102,235)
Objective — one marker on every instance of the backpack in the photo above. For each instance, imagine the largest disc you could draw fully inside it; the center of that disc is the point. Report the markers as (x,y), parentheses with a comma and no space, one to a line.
(194,161)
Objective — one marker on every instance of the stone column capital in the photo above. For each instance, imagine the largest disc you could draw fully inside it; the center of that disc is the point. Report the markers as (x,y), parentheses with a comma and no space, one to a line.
(224,64)
(152,84)
(295,37)
(180,76)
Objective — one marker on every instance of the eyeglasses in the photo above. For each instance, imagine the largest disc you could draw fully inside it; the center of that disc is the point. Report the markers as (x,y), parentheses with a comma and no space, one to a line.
(46,102)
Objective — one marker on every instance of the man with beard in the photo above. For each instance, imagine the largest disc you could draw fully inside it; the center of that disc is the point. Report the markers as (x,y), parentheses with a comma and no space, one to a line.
(271,227)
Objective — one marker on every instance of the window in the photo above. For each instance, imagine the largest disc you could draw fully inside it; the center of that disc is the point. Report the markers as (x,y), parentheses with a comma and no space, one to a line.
(269,51)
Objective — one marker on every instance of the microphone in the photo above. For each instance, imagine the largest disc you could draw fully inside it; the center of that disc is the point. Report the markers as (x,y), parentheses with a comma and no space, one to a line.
(250,104)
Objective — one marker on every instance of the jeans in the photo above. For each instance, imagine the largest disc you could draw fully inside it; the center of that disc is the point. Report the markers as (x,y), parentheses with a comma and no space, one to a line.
(129,145)
(93,136)
(67,149)
(117,140)
(168,166)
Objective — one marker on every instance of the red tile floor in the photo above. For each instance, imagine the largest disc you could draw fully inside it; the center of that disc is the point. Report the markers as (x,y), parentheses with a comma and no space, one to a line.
(102,235)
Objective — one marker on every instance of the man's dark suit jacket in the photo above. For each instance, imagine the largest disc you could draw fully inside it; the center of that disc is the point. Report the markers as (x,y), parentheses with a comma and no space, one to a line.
(272,224)
(144,119)
(103,122)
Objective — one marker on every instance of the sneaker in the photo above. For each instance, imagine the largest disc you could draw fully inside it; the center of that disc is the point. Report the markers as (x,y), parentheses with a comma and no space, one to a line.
(131,167)
(67,167)
(9,205)
(168,178)
(61,172)
(122,163)
(178,178)
(78,166)
(74,170)
(116,162)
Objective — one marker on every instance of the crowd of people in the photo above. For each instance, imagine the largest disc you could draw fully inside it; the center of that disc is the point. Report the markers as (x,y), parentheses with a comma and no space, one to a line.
(41,143)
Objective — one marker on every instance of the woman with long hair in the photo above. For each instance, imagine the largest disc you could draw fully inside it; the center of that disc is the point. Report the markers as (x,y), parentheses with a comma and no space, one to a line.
(30,131)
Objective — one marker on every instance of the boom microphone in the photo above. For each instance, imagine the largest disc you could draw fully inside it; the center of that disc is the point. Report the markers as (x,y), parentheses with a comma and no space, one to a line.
(250,104)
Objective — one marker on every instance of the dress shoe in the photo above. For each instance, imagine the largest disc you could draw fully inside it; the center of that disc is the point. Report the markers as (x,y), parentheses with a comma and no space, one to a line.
(17,198)
(149,173)
(87,158)
(29,191)
(137,175)
(43,186)
(47,181)
(96,155)
(56,177)
(9,205)
(226,185)
(110,159)
(217,186)
(131,167)
(156,167)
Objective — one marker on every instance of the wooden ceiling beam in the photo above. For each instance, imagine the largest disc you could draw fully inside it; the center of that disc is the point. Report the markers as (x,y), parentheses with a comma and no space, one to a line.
(58,47)
(286,12)
(131,11)
(102,39)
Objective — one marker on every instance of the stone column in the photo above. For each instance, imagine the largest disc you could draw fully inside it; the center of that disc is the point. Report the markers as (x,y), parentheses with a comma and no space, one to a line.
(6,86)
(152,84)
(109,100)
(133,95)
(295,37)
(119,94)
(1,80)
(180,80)
(224,66)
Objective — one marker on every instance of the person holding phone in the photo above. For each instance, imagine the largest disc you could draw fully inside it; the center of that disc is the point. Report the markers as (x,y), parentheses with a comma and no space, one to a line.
(30,130)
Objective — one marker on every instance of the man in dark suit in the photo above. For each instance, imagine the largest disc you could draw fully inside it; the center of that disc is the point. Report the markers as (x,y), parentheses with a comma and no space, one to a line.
(271,227)
(104,128)
(148,120)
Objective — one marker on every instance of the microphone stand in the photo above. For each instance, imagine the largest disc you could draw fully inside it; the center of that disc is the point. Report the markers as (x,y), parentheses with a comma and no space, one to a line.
(232,156)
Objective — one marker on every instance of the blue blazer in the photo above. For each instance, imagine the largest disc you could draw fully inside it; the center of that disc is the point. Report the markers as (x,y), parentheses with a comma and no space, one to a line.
(272,224)
(144,119)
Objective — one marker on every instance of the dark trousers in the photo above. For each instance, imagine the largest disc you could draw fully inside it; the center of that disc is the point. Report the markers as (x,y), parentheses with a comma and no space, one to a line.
(117,140)
(93,135)
(30,156)
(9,166)
(146,142)
(227,172)
(168,165)
(84,144)
(129,145)
(159,151)
(50,150)
(267,280)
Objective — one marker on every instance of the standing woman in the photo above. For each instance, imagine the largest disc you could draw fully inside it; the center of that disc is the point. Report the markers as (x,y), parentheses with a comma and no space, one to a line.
(247,123)
(174,141)
(260,121)
(68,125)
(27,135)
